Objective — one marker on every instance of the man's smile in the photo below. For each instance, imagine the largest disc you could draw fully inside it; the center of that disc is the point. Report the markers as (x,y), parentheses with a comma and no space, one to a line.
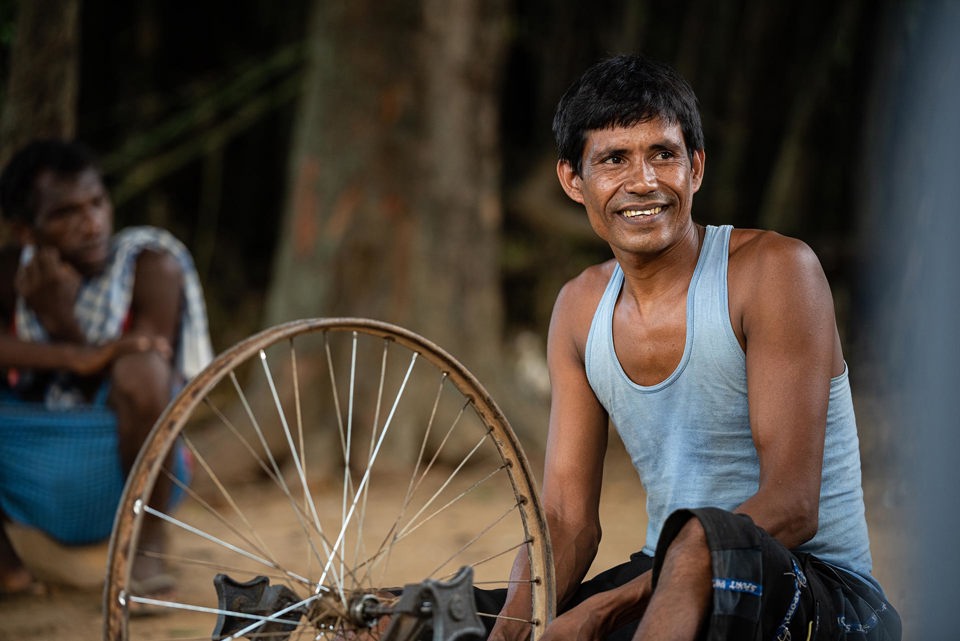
(634,213)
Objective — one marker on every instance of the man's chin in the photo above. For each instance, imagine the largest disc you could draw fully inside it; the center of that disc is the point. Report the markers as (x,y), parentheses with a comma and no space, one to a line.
(90,268)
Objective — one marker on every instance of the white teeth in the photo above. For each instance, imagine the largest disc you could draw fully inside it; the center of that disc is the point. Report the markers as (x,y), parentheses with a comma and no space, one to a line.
(633,213)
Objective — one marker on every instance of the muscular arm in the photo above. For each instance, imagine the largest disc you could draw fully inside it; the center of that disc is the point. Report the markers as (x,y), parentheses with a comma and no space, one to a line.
(576,445)
(573,471)
(792,349)
(157,295)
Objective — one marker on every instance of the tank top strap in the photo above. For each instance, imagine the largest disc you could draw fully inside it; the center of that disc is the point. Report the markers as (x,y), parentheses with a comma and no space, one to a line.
(710,301)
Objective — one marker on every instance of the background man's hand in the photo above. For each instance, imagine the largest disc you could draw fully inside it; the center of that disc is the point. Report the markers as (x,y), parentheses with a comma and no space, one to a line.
(49,286)
(92,359)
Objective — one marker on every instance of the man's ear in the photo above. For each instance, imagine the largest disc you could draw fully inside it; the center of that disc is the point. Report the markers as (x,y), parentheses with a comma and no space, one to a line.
(698,163)
(570,180)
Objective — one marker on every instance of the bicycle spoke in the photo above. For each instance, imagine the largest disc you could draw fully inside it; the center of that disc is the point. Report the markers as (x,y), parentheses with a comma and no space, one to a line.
(443,443)
(474,539)
(444,486)
(366,475)
(411,527)
(220,542)
(301,475)
(272,472)
(423,442)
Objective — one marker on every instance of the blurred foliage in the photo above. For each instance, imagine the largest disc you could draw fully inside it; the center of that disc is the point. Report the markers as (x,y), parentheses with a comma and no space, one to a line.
(8,27)
(8,14)
(192,106)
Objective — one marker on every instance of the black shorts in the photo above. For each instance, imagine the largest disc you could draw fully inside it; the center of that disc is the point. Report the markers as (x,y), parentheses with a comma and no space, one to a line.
(761,590)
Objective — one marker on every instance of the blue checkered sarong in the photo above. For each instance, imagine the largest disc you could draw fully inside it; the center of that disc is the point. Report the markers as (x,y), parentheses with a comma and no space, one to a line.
(60,469)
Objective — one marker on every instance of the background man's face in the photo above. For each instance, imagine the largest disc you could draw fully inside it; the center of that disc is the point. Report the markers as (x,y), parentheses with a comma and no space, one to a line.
(75,216)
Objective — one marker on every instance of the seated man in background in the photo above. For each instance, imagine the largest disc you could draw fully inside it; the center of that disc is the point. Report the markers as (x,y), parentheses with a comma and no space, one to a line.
(94,322)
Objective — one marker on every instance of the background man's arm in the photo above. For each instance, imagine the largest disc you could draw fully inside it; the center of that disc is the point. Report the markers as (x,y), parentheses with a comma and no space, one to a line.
(792,350)
(157,297)
(83,360)
(152,329)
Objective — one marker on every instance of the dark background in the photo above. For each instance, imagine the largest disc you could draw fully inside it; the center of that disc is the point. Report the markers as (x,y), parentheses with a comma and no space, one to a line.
(785,89)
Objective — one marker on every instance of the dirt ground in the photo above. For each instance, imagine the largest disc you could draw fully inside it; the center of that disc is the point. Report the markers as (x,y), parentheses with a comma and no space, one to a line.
(71,613)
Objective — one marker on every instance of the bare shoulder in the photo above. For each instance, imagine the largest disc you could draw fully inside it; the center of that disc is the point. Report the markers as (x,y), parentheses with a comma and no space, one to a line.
(158,280)
(756,256)
(158,267)
(772,276)
(577,301)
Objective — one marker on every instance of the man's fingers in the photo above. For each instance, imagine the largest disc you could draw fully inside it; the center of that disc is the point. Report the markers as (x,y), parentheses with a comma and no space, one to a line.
(144,343)
(26,277)
(162,346)
(47,260)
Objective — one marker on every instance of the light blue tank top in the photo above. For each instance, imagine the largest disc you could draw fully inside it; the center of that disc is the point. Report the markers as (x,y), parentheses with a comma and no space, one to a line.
(689,435)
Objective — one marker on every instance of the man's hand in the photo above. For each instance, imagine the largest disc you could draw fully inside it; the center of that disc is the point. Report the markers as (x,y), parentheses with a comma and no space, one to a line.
(49,286)
(505,630)
(600,615)
(89,360)
(579,624)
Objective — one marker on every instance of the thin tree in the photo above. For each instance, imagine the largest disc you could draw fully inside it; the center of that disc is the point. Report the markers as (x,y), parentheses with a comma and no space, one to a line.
(394,204)
(43,84)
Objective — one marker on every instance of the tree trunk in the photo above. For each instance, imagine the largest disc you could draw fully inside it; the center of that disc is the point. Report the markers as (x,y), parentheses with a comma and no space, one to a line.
(41,96)
(394,208)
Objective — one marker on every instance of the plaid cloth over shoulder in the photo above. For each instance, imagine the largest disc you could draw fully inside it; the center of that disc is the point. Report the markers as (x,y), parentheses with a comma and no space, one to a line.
(104,302)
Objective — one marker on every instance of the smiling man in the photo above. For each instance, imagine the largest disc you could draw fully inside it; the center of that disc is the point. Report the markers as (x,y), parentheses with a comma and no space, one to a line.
(715,353)
(92,321)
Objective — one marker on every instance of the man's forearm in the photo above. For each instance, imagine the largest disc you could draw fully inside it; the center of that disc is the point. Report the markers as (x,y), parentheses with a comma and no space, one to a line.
(791,522)
(17,353)
(63,329)
(574,550)
(43,356)
(572,558)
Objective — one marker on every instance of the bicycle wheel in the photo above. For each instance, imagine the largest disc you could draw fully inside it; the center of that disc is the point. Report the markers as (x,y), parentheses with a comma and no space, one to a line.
(340,458)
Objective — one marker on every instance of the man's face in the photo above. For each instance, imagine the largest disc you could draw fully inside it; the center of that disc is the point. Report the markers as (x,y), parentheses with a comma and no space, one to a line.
(75,216)
(637,185)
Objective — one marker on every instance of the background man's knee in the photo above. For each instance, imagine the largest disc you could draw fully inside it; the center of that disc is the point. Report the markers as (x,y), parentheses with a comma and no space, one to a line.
(140,383)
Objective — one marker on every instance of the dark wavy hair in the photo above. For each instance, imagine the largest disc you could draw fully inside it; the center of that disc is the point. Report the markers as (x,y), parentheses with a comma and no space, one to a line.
(17,193)
(620,92)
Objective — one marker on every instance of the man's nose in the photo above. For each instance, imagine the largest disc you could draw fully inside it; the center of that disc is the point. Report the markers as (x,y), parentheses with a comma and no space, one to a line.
(93,218)
(642,178)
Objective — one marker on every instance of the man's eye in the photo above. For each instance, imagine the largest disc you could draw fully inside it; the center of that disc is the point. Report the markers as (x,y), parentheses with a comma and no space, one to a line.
(59,214)
(613,160)
(664,155)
